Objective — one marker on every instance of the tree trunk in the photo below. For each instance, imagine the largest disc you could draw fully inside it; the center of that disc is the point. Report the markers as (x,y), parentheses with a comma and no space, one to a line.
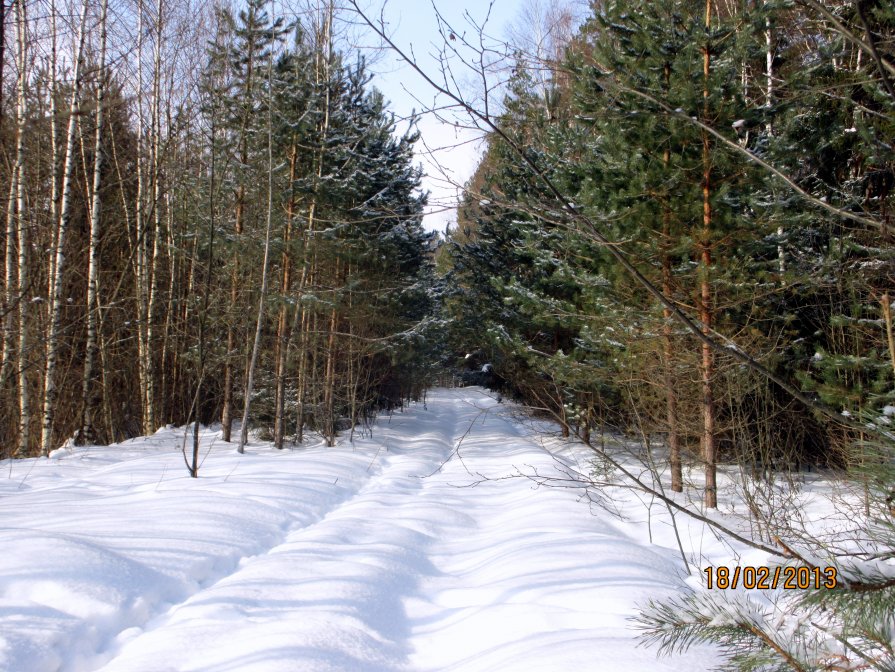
(329,374)
(283,333)
(768,103)
(304,314)
(256,346)
(308,356)
(198,397)
(9,288)
(55,297)
(671,413)
(14,214)
(169,375)
(141,265)
(674,440)
(54,144)
(89,398)
(302,373)
(24,338)
(705,303)
(227,405)
(329,383)
(2,57)
(150,421)
(17,229)
(229,363)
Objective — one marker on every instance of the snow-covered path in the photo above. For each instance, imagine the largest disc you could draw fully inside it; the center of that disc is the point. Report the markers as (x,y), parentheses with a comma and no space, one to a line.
(408,551)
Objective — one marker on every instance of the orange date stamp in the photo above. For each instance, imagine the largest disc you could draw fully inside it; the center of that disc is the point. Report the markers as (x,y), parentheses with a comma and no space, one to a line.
(770,578)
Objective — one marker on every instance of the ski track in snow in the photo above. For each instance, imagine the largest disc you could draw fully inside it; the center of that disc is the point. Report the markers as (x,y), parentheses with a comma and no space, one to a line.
(409,551)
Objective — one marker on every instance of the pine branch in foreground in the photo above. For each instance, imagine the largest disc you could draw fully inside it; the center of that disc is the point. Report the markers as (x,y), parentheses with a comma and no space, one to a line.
(776,631)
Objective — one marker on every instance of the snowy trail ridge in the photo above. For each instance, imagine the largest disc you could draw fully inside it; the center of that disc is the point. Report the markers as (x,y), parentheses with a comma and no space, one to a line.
(400,552)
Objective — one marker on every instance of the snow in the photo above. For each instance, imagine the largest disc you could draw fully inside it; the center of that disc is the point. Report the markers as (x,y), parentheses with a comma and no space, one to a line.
(427,547)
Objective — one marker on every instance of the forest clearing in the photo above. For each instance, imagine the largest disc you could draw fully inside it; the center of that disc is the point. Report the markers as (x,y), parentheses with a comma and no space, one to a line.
(455,538)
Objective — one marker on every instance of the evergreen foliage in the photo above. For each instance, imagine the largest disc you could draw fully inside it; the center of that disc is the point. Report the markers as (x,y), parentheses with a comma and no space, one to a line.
(798,281)
(346,325)
(739,154)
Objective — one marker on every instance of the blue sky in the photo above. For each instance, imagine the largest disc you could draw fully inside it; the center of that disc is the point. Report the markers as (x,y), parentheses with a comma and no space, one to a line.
(448,152)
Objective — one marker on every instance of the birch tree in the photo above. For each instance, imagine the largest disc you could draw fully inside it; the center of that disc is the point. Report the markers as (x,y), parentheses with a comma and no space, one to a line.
(90,399)
(153,271)
(16,231)
(55,299)
(13,214)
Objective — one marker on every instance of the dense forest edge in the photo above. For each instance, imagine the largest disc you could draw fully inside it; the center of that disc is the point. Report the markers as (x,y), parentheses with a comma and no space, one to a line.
(174,252)
(680,231)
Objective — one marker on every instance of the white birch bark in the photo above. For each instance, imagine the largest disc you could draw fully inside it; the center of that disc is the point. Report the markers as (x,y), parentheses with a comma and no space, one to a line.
(9,287)
(54,140)
(2,58)
(65,209)
(87,432)
(141,265)
(20,230)
(149,412)
(326,40)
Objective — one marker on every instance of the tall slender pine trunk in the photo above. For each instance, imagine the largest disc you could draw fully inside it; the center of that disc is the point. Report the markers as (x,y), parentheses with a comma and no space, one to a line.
(768,103)
(308,355)
(239,225)
(706,309)
(262,297)
(283,332)
(329,382)
(301,378)
(230,361)
(671,412)
(303,322)
(199,397)
(329,372)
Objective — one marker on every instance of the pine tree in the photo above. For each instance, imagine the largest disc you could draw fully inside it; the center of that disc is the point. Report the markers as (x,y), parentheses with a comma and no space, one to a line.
(652,85)
(251,39)
(348,240)
(832,318)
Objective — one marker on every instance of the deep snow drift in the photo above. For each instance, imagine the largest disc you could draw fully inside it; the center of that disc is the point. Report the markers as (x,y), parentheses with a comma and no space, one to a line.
(400,552)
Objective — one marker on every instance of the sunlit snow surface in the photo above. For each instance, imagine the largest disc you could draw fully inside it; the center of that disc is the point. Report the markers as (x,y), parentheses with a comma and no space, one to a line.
(400,552)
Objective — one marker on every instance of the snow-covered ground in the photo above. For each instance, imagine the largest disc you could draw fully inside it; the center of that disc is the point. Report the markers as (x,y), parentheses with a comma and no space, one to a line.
(418,549)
